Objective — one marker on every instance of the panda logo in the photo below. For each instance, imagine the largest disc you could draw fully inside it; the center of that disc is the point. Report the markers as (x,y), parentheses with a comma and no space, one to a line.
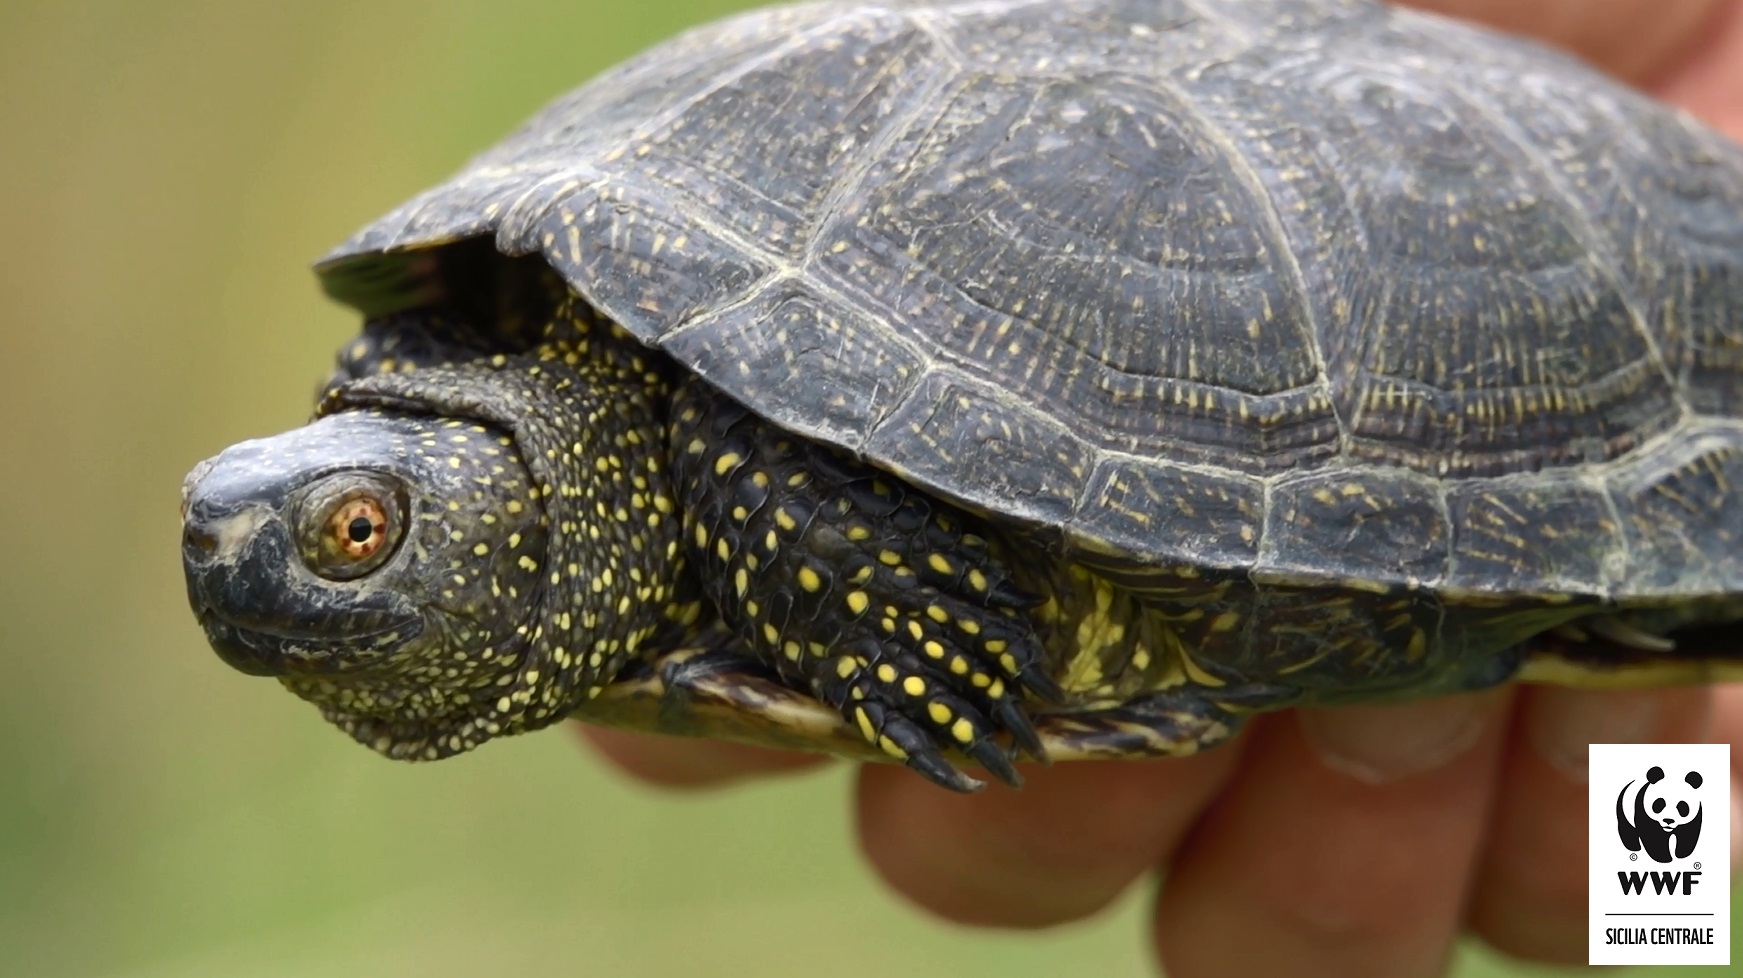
(1661,810)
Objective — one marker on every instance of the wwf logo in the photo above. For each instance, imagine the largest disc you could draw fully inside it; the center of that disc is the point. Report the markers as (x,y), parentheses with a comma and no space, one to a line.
(1672,906)
(1660,816)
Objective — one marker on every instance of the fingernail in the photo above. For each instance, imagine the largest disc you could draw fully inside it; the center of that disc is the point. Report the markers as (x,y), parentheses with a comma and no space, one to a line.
(1562,724)
(1382,744)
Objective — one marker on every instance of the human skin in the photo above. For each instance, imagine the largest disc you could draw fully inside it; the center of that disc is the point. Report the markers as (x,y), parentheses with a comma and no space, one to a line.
(1357,841)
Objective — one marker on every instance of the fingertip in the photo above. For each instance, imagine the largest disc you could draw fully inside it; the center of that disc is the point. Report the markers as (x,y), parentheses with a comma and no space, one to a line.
(1059,849)
(1636,40)
(911,832)
(1345,867)
(1561,723)
(1382,744)
(687,762)
(1736,826)
(1530,898)
(1728,719)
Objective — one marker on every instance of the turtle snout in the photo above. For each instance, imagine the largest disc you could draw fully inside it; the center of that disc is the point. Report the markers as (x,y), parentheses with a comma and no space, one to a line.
(198,541)
(209,545)
(214,542)
(195,476)
(196,536)
(222,558)
(214,529)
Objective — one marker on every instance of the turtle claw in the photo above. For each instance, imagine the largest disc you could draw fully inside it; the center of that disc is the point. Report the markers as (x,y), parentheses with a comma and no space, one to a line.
(919,751)
(992,756)
(901,708)
(932,766)
(1010,716)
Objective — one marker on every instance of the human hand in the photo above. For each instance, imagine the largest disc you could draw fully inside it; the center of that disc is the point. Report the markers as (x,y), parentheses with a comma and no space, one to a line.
(1355,841)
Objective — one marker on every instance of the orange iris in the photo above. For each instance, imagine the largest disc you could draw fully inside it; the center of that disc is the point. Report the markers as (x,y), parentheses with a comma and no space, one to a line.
(359,527)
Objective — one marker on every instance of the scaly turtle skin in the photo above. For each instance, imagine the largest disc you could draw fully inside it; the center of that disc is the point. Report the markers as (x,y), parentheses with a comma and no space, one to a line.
(952,380)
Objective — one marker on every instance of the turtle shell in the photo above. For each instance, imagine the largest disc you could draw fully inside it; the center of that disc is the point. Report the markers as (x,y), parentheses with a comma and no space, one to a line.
(1316,291)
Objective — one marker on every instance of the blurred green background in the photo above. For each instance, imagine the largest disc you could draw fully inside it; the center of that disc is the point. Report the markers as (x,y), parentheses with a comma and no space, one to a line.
(168,171)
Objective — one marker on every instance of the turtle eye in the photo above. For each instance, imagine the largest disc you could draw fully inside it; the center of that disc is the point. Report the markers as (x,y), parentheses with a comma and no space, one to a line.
(359,527)
(350,526)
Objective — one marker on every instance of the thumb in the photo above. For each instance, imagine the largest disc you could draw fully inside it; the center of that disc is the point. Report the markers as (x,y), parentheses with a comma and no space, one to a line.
(1689,52)
(1637,40)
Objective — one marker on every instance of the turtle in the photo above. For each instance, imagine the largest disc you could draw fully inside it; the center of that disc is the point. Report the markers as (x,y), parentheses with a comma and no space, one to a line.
(953,382)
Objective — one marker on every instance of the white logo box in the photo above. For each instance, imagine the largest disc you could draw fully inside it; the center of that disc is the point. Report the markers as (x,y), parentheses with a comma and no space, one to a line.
(1660,856)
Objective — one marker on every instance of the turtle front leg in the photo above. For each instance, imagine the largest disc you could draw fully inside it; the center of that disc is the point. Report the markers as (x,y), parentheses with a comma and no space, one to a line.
(862,593)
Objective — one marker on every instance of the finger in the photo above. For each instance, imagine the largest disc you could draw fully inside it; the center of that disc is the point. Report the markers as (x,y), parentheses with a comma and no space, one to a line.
(1728,729)
(1728,720)
(1346,840)
(1530,897)
(1637,40)
(1070,841)
(1709,81)
(687,762)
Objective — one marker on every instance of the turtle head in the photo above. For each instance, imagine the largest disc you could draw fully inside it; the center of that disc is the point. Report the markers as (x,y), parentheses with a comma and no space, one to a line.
(446,555)
(383,565)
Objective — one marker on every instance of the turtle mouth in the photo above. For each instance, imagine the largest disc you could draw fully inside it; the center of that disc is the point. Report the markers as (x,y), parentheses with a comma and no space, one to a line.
(259,651)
